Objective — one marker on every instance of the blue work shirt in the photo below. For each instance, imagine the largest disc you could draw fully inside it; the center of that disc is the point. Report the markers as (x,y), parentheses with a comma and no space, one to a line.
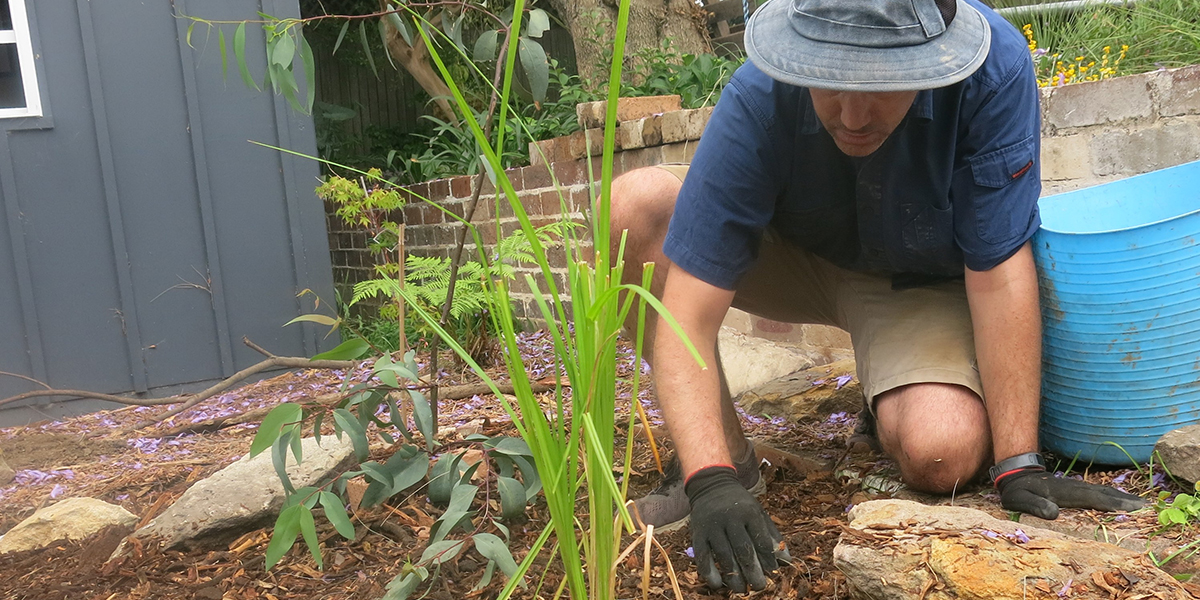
(955,184)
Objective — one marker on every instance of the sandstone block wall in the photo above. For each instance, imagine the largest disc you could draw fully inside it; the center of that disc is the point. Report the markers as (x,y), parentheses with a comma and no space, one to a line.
(1106,130)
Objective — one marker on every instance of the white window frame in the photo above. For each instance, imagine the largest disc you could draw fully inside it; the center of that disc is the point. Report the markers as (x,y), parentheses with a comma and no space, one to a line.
(19,36)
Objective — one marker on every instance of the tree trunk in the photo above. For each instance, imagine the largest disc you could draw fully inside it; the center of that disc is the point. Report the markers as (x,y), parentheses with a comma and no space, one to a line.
(416,60)
(592,24)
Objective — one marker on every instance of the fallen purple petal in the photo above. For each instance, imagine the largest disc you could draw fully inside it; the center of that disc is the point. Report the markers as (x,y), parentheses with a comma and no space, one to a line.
(1021,537)
(691,552)
(1065,588)
(57,491)
(843,380)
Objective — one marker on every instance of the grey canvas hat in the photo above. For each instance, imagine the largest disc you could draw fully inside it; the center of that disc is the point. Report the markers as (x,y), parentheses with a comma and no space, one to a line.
(868,45)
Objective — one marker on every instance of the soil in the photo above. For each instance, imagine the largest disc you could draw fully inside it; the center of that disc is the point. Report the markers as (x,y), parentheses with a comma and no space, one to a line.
(87,456)
(55,450)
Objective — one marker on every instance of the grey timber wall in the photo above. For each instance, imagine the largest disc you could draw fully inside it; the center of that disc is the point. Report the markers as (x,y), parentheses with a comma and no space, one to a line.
(141,234)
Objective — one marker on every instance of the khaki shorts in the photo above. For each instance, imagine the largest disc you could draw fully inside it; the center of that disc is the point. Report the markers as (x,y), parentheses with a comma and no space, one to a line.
(919,335)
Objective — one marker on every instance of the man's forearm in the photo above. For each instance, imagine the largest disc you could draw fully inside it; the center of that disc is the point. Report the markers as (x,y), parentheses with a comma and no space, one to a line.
(690,396)
(1008,346)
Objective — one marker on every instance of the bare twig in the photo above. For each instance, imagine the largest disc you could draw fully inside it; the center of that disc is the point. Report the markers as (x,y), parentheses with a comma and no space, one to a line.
(29,379)
(289,362)
(251,416)
(186,401)
(256,347)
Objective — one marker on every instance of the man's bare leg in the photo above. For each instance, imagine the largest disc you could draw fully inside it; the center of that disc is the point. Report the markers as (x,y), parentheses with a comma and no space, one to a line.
(938,433)
(642,203)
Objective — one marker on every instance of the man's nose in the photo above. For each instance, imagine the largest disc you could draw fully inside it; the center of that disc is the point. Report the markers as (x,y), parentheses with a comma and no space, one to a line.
(856,111)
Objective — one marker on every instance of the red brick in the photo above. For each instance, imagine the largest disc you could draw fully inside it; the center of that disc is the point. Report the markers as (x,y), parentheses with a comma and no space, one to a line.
(637,159)
(430,214)
(419,192)
(460,187)
(504,208)
(580,200)
(592,114)
(413,215)
(439,189)
(568,172)
(551,204)
(535,177)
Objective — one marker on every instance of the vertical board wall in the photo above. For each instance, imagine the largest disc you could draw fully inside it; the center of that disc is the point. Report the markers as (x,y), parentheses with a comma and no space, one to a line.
(141,234)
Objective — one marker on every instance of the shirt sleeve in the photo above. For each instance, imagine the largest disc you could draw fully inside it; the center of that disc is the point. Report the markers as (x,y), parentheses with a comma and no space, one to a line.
(728,196)
(997,182)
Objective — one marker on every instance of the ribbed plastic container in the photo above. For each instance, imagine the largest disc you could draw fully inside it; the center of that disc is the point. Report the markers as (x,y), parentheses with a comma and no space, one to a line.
(1119,267)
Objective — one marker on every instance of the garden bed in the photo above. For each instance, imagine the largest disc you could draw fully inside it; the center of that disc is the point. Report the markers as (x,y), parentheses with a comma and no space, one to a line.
(144,474)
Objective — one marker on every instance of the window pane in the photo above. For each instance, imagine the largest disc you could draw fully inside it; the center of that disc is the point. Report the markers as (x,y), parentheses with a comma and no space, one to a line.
(5,15)
(12,90)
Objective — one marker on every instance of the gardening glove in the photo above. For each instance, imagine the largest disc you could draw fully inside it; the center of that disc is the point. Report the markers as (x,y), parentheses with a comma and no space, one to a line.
(730,530)
(1041,494)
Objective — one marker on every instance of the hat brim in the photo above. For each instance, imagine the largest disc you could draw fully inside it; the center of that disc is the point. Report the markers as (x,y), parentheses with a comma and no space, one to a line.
(783,54)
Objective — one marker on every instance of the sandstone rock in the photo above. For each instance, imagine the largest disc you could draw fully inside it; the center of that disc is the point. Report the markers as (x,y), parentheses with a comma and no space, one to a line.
(1180,452)
(895,549)
(72,519)
(814,392)
(244,495)
(749,361)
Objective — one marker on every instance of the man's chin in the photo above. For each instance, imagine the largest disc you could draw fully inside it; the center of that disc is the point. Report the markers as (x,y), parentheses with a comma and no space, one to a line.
(857,150)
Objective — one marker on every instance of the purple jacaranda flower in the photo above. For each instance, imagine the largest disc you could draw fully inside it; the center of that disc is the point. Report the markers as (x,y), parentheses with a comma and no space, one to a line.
(1121,518)
(848,507)
(122,497)
(843,380)
(1020,537)
(819,382)
(1158,479)
(1041,52)
(991,534)
(1062,593)
(57,491)
(1121,478)
(691,552)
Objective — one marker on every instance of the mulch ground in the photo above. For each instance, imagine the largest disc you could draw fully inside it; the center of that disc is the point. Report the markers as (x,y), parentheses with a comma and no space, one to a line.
(144,473)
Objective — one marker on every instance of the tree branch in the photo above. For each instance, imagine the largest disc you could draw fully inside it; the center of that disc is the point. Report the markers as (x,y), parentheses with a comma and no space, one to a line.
(450,393)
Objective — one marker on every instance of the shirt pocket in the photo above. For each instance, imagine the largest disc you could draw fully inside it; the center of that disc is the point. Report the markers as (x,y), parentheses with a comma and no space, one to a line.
(1001,177)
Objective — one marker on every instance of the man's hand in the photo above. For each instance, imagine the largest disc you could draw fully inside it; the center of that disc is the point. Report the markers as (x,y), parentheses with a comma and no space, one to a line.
(730,530)
(1041,494)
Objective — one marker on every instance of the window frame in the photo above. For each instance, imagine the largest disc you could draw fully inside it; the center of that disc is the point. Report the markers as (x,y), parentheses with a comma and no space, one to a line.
(20,36)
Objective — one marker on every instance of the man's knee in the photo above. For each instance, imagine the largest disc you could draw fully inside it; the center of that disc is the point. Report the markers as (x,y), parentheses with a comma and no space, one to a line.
(642,203)
(939,434)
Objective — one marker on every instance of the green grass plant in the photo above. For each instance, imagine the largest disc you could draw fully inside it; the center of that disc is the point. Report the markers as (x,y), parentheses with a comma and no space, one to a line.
(573,443)
(1122,40)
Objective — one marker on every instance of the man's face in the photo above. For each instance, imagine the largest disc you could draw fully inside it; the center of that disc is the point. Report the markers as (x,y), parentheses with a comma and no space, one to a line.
(859,122)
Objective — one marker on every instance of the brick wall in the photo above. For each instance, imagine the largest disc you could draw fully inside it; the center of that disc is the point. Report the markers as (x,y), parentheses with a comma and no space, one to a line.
(1091,133)
(653,131)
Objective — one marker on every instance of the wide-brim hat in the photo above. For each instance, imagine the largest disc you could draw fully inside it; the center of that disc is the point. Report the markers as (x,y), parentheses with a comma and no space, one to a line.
(868,45)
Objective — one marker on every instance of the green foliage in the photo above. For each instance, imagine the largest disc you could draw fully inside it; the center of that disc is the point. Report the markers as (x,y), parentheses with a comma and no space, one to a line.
(1183,509)
(512,475)
(697,79)
(577,452)
(1147,35)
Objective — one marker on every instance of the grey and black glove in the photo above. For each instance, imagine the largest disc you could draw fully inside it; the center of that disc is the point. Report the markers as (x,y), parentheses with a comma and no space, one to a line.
(730,530)
(1030,489)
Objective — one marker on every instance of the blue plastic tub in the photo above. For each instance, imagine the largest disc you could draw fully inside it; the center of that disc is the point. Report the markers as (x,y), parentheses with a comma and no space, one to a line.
(1119,267)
